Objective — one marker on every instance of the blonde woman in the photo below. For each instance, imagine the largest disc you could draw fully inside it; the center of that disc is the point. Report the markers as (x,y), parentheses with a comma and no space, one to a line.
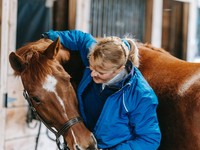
(115,101)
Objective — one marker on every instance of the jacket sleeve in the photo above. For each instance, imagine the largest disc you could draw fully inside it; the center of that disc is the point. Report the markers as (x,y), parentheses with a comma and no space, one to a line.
(146,130)
(74,40)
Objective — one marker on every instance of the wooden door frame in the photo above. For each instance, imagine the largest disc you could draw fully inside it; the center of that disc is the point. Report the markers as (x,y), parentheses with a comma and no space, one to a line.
(148,21)
(64,15)
(153,24)
(175,27)
(8,20)
(72,7)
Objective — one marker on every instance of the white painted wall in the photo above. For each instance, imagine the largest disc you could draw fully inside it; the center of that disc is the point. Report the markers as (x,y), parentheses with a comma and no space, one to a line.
(4,49)
(192,30)
(83,15)
(156,37)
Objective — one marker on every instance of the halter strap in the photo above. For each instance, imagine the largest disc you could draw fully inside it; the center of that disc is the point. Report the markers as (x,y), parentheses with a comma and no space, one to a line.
(67,125)
(61,131)
(65,128)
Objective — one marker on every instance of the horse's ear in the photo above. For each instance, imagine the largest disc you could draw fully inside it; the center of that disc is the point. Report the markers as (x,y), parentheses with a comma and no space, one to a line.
(52,51)
(16,62)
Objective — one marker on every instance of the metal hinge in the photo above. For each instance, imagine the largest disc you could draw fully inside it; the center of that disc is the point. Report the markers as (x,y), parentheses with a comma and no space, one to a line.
(5,99)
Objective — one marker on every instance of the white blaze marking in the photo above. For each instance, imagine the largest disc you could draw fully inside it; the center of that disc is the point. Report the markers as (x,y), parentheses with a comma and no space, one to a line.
(61,102)
(50,86)
(75,142)
(50,83)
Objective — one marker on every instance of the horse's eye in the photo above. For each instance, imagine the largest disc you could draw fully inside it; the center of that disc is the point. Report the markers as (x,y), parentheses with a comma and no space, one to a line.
(36,99)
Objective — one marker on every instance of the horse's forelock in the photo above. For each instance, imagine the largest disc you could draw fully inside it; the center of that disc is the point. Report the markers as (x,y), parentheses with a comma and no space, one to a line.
(37,65)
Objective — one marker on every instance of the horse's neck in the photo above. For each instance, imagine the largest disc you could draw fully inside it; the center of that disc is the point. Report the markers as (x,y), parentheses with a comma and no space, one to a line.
(72,63)
(63,56)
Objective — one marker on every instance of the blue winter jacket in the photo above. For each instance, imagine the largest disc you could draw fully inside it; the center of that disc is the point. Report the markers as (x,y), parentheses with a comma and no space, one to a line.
(128,120)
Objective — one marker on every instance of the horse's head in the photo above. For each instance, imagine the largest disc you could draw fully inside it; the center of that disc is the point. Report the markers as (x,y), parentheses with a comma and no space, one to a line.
(50,93)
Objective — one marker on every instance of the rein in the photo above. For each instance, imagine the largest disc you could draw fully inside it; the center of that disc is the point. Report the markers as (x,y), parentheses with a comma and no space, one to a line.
(58,133)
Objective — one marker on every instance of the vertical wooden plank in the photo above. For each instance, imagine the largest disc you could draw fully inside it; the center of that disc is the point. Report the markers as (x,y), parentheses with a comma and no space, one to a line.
(8,42)
(2,128)
(192,47)
(81,18)
(12,30)
(185,28)
(148,21)
(175,27)
(157,23)
(4,50)
(72,14)
(60,15)
(8,16)
(0,19)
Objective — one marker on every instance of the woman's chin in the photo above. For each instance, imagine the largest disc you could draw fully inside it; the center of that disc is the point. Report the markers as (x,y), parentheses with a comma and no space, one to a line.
(97,80)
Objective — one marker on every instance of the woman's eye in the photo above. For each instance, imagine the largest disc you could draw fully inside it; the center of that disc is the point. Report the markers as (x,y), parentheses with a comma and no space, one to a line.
(101,73)
(36,99)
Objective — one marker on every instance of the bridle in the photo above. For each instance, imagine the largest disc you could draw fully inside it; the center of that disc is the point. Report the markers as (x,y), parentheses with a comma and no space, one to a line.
(58,133)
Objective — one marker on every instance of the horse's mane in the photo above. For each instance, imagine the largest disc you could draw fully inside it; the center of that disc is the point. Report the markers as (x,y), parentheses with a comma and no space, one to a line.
(151,47)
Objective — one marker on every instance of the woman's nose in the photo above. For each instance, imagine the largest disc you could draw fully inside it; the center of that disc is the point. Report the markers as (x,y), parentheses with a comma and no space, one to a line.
(94,73)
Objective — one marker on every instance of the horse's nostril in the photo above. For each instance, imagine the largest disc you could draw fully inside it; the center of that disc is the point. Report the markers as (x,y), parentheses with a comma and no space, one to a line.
(77,147)
(92,147)
(93,144)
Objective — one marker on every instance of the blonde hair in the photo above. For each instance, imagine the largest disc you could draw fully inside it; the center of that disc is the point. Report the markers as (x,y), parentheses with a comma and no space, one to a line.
(134,52)
(114,50)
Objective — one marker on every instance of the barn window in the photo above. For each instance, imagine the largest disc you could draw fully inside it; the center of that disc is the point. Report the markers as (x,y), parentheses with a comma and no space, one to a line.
(118,18)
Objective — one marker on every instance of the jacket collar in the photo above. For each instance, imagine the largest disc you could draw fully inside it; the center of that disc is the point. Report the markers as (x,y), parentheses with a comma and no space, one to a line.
(130,72)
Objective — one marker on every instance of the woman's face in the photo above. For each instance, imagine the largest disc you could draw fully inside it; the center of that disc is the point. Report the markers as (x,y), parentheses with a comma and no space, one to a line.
(100,75)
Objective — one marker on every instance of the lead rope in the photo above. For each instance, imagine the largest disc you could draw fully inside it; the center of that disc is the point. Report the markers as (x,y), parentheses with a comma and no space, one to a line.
(38,135)
(29,118)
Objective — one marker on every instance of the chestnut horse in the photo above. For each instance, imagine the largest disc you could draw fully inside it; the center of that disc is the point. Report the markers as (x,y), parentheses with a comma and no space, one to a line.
(177,85)
(50,94)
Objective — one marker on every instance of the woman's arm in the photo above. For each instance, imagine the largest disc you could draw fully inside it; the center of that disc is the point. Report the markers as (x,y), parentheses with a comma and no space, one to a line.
(74,40)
